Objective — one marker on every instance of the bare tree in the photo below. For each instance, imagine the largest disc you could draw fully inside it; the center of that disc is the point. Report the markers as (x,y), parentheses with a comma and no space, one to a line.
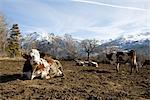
(89,46)
(55,45)
(70,46)
(3,34)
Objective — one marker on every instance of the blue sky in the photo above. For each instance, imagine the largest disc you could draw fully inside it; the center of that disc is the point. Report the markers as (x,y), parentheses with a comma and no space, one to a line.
(100,19)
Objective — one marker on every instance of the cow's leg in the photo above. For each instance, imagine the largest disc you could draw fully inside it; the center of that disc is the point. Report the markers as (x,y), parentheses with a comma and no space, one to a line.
(36,74)
(131,69)
(44,74)
(136,68)
(33,75)
(117,67)
(61,70)
(57,73)
(132,65)
(53,71)
(53,75)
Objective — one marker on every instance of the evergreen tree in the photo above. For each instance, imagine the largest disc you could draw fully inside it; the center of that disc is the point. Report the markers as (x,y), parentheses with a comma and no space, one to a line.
(13,47)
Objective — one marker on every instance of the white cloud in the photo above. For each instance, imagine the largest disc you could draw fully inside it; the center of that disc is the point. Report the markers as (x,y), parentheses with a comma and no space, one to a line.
(109,5)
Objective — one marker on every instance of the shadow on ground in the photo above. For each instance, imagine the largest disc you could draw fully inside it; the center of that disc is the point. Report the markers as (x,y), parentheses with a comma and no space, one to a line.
(7,78)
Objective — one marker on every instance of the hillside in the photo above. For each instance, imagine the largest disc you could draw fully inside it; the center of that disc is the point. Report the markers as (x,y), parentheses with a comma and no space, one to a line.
(139,42)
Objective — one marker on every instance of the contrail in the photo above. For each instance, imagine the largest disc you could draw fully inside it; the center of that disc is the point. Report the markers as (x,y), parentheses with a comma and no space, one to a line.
(109,5)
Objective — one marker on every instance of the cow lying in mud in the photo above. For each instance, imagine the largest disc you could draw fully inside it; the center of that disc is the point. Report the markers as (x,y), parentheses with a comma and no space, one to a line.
(84,63)
(45,67)
(80,63)
(122,58)
(92,63)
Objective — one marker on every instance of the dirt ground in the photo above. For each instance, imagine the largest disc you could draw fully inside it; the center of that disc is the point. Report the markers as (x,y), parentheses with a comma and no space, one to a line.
(79,83)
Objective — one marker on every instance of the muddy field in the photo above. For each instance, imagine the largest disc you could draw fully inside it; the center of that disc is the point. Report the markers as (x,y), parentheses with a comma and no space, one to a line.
(79,83)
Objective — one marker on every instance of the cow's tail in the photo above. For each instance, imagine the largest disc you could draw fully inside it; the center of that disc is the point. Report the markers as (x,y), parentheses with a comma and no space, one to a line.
(33,73)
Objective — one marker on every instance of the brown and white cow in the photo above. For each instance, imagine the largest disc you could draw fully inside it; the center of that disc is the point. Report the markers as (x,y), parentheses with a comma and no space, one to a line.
(42,67)
(122,58)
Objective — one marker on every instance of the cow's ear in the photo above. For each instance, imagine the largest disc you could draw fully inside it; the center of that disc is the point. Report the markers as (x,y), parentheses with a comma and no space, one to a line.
(42,55)
(26,56)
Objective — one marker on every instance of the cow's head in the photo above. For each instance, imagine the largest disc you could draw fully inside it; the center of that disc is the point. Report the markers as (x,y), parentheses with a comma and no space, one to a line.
(35,57)
(131,53)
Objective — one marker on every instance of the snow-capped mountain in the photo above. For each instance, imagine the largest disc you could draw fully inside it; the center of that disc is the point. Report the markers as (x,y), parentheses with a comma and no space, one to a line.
(136,37)
(37,36)
(139,42)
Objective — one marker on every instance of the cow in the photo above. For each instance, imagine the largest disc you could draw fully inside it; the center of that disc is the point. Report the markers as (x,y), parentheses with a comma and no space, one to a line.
(42,67)
(84,63)
(80,63)
(91,63)
(122,58)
